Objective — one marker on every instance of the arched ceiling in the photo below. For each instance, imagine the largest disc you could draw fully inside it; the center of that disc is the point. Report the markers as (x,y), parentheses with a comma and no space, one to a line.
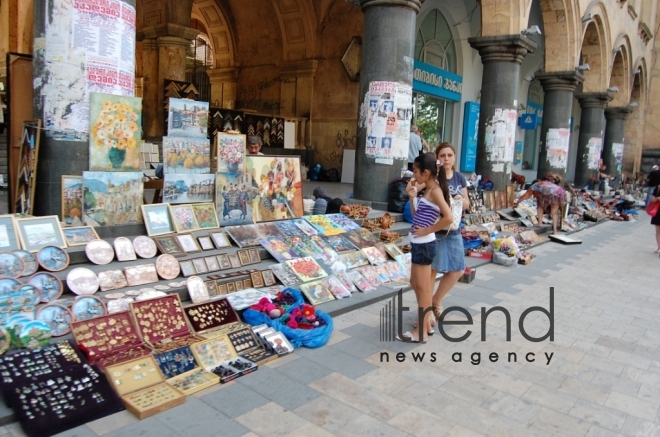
(219,30)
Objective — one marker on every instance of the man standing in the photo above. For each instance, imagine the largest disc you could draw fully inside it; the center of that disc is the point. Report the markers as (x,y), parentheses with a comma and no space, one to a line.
(254,145)
(415,146)
(652,181)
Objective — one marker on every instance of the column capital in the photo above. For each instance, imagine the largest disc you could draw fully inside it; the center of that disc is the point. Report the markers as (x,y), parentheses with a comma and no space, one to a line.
(594,100)
(149,44)
(502,48)
(220,75)
(560,80)
(299,69)
(167,30)
(617,112)
(415,5)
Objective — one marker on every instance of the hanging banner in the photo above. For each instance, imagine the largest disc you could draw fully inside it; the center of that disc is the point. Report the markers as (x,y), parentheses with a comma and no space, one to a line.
(501,135)
(470,137)
(595,148)
(557,143)
(617,151)
(388,120)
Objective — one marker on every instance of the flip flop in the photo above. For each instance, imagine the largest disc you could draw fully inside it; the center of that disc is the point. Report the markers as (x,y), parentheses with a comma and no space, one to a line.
(407,338)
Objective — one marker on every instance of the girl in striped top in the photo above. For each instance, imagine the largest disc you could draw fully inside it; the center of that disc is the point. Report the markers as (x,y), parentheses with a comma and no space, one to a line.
(431,213)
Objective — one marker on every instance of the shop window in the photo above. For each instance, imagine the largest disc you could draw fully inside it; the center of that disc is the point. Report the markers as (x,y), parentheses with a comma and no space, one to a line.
(434,43)
(533,137)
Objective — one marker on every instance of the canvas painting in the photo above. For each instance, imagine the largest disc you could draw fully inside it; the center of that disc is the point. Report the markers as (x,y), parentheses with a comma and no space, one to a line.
(305,227)
(231,153)
(354,259)
(357,241)
(279,249)
(233,198)
(187,118)
(279,187)
(344,221)
(72,195)
(115,132)
(289,229)
(188,188)
(205,215)
(285,274)
(317,292)
(339,243)
(186,155)
(26,181)
(112,198)
(307,269)
(244,236)
(323,225)
(306,246)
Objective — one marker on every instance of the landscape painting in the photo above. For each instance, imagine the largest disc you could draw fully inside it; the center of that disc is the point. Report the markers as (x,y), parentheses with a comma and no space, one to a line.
(188,188)
(187,118)
(233,198)
(186,155)
(279,187)
(115,132)
(112,198)
(71,198)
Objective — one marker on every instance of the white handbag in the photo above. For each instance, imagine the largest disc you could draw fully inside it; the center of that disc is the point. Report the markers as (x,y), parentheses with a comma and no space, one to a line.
(456,212)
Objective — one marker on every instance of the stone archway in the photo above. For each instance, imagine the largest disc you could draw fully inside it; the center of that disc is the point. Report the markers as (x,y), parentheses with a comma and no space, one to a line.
(298,27)
(634,134)
(219,30)
(561,35)
(620,74)
(504,18)
(595,53)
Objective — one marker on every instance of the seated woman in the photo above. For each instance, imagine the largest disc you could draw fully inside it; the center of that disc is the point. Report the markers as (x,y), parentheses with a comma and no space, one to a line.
(549,195)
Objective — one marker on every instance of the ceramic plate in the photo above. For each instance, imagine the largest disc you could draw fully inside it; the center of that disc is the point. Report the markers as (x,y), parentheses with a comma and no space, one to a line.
(167,267)
(50,286)
(99,252)
(133,293)
(114,295)
(11,265)
(150,295)
(5,340)
(53,258)
(59,319)
(35,334)
(8,286)
(29,260)
(88,307)
(119,305)
(145,247)
(82,281)
(162,287)
(30,292)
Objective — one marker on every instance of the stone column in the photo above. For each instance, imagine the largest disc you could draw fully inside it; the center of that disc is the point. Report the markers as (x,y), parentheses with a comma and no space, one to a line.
(150,88)
(387,54)
(559,88)
(501,57)
(591,126)
(223,87)
(615,128)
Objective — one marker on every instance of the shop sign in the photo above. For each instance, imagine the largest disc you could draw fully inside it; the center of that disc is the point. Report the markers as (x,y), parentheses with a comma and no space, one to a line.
(528,121)
(470,137)
(434,81)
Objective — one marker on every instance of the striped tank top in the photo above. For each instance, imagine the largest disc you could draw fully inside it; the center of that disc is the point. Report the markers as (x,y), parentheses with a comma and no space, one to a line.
(426,214)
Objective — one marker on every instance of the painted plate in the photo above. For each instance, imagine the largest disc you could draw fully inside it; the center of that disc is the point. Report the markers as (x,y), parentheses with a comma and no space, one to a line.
(30,293)
(30,261)
(167,267)
(50,286)
(58,317)
(53,258)
(145,247)
(11,265)
(88,307)
(8,286)
(35,334)
(99,252)
(5,340)
(82,281)
(114,295)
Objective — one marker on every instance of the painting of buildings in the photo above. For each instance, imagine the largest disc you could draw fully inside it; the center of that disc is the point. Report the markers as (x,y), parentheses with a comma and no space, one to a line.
(72,195)
(186,155)
(187,118)
(188,188)
(112,198)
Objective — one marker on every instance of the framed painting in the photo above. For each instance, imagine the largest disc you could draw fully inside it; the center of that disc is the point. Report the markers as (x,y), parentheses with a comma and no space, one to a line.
(157,219)
(205,243)
(187,118)
(205,215)
(112,198)
(8,234)
(28,156)
(244,236)
(234,198)
(188,243)
(317,292)
(220,240)
(72,197)
(510,195)
(497,200)
(188,188)
(183,155)
(79,236)
(37,232)
(183,218)
(501,199)
(275,201)
(231,152)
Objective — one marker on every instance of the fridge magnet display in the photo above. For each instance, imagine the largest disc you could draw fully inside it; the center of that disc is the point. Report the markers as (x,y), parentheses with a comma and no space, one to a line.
(48,285)
(268,277)
(88,307)
(188,243)
(57,317)
(194,381)
(37,232)
(317,292)
(187,268)
(343,221)
(197,290)
(244,257)
(82,281)
(205,215)
(169,245)
(205,243)
(12,266)
(231,152)
(212,263)
(254,256)
(220,240)
(145,247)
(72,198)
(157,219)
(244,236)
(339,244)
(235,261)
(124,249)
(176,361)
(186,155)
(112,198)
(234,198)
(183,218)
(187,118)
(200,266)
(140,275)
(115,132)
(29,261)
(307,269)
(279,343)
(323,225)
(279,249)
(285,274)
(188,188)
(99,252)
(270,204)
(224,262)
(79,236)
(167,267)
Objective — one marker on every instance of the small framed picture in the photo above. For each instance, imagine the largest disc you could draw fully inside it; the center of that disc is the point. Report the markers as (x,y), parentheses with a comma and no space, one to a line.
(200,266)
(239,286)
(235,261)
(187,268)
(212,263)
(269,278)
(244,257)
(188,243)
(257,280)
(157,219)
(205,215)
(124,249)
(220,240)
(169,245)
(223,260)
(212,288)
(74,236)
(222,288)
(254,255)
(279,343)
(8,234)
(247,283)
(205,243)
(183,218)
(231,287)
(38,232)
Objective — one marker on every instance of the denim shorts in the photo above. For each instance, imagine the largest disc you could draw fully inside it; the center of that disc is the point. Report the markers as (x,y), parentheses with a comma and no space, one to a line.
(450,255)
(423,253)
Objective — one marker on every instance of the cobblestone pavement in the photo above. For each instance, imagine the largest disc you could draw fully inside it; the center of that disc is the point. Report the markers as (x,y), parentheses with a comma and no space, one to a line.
(602,379)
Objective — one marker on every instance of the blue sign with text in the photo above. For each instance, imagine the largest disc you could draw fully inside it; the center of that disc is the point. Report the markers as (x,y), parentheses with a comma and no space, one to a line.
(528,121)
(434,81)
(470,132)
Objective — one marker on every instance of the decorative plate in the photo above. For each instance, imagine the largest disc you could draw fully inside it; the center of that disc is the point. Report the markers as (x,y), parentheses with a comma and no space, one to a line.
(5,340)
(82,281)
(162,287)
(150,295)
(119,305)
(35,334)
(53,258)
(167,267)
(29,260)
(8,286)
(99,252)
(114,295)
(11,265)
(88,307)
(133,293)
(58,317)
(30,293)
(145,247)
(50,286)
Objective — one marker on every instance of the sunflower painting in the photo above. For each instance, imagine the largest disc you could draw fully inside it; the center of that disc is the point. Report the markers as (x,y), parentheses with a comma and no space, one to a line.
(115,132)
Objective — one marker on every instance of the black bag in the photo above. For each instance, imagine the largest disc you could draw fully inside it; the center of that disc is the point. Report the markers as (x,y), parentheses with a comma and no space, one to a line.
(329,175)
(397,196)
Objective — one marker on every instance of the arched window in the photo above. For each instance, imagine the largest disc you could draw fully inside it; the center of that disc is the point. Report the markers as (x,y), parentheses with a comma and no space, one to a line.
(435,44)
(200,52)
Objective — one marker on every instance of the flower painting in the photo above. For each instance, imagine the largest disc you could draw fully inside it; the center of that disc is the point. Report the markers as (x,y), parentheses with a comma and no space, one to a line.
(205,215)
(186,155)
(112,198)
(307,269)
(279,187)
(184,218)
(231,153)
(114,132)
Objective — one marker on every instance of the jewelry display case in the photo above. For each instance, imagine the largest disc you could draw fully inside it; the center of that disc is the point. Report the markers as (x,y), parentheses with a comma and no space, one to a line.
(194,381)
(208,316)
(216,355)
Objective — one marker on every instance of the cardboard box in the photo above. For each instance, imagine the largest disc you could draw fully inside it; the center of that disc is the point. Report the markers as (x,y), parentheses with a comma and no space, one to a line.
(473,254)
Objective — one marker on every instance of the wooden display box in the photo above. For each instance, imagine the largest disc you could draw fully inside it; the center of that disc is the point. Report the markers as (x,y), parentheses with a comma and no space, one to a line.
(222,330)
(247,346)
(216,352)
(194,381)
(209,316)
(142,387)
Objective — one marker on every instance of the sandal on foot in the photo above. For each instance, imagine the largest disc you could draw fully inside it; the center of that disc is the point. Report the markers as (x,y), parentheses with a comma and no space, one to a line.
(407,338)
(437,311)
(429,332)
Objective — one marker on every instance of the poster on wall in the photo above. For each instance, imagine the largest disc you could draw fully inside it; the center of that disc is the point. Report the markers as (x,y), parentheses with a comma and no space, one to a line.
(617,151)
(557,144)
(388,120)
(595,148)
(501,135)
(519,152)
(470,136)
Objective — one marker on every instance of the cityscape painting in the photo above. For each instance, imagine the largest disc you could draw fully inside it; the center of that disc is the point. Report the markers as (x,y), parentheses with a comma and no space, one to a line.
(112,198)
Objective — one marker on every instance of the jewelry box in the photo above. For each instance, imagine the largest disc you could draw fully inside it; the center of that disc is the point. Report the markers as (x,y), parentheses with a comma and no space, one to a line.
(194,381)
(109,339)
(207,316)
(176,361)
(215,356)
(142,387)
(247,346)
(223,330)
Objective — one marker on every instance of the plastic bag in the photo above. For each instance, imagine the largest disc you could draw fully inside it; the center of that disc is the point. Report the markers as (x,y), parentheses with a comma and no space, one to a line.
(254,317)
(407,213)
(303,337)
(506,245)
(397,196)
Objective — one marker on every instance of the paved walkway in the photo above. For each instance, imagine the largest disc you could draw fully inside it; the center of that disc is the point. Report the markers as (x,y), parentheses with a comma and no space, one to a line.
(603,378)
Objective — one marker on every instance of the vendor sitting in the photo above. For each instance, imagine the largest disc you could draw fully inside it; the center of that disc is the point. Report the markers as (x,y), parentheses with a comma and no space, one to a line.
(325,204)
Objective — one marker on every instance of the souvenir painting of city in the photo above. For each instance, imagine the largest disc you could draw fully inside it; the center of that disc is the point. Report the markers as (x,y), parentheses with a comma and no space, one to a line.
(112,198)
(183,155)
(279,187)
(234,195)
(71,198)
(188,188)
(187,118)
(114,132)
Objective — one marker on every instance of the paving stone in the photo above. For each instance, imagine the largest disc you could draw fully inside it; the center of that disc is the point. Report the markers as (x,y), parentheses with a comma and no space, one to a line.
(272,419)
(417,422)
(634,426)
(235,400)
(630,405)
(113,422)
(558,423)
(598,415)
(276,386)
(506,383)
(585,390)
(328,413)
(149,427)
(304,370)
(366,426)
(358,348)
(550,398)
(338,361)
(512,407)
(201,419)
(80,431)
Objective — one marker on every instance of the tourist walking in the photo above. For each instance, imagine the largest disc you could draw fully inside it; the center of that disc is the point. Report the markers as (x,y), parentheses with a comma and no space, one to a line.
(652,181)
(549,195)
(655,220)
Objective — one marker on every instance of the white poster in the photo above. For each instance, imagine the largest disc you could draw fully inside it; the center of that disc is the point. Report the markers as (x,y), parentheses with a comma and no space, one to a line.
(617,151)
(389,109)
(501,135)
(595,148)
(557,144)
